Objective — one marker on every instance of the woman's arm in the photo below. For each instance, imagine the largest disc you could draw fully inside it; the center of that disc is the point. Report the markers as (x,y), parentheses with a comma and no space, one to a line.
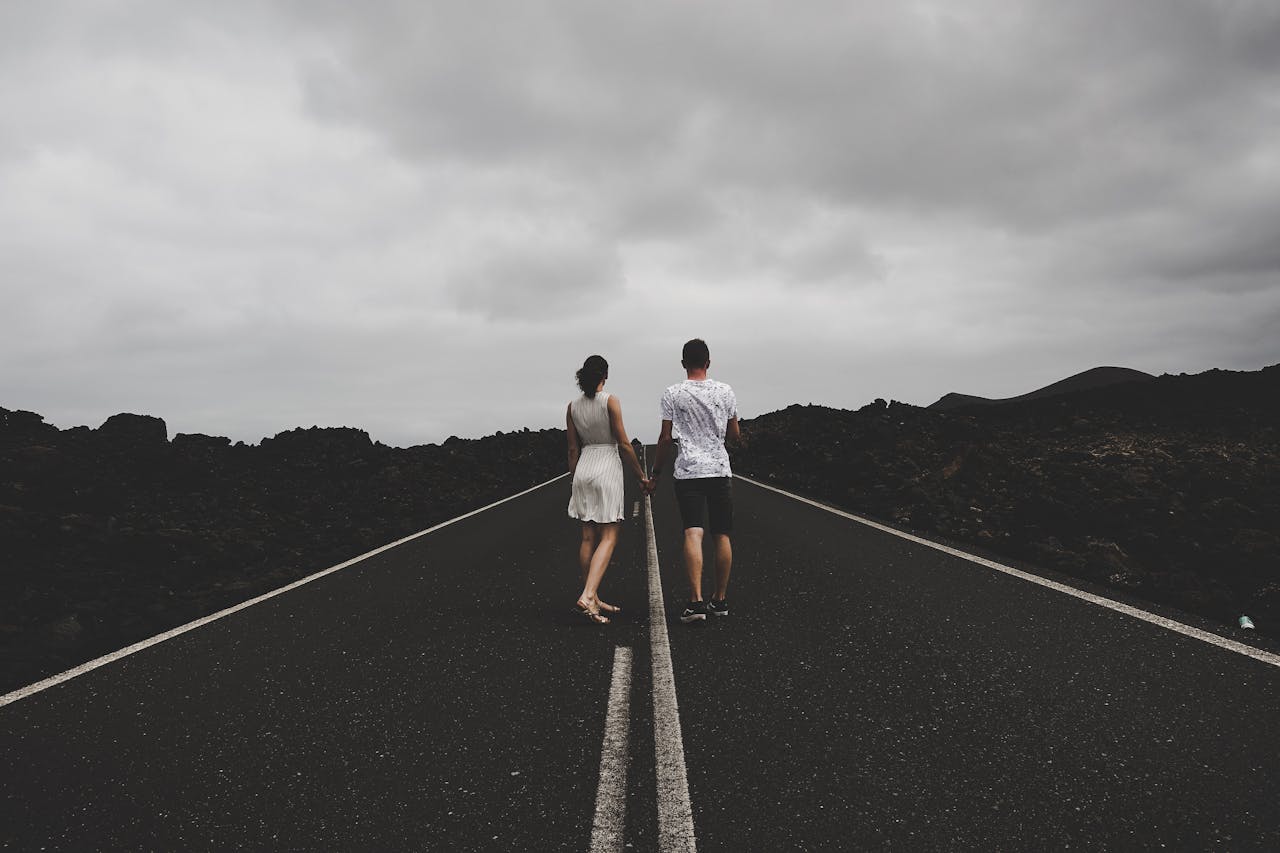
(624,443)
(574,448)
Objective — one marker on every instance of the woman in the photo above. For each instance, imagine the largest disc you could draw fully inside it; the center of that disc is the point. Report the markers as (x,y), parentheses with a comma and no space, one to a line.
(598,444)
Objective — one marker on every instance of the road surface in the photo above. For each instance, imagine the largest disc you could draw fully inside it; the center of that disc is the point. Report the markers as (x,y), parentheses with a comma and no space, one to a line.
(865,692)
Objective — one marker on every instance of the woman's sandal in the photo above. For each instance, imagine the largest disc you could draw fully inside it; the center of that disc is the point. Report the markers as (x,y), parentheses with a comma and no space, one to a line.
(607,608)
(592,614)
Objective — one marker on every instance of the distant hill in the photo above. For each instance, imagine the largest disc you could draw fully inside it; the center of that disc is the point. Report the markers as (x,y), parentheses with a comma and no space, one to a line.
(1098,377)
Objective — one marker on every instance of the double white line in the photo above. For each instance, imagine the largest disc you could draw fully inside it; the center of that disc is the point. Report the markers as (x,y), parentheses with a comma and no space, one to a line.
(675,814)
(611,793)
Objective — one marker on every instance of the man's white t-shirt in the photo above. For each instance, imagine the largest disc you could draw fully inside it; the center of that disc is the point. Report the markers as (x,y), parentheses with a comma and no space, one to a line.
(700,411)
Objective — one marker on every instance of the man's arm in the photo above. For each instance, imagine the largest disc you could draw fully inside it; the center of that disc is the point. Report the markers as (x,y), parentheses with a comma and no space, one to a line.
(663,452)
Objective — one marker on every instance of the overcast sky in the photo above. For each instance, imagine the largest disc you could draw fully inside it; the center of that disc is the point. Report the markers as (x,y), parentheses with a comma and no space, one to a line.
(419,218)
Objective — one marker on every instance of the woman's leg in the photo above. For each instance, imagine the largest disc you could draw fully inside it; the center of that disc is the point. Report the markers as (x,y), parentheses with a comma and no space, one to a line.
(600,561)
(590,538)
(590,541)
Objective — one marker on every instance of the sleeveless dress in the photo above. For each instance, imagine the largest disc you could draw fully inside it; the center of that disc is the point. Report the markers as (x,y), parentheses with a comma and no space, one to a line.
(597,481)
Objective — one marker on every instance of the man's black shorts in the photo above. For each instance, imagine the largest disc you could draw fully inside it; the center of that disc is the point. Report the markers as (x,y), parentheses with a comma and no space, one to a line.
(706,496)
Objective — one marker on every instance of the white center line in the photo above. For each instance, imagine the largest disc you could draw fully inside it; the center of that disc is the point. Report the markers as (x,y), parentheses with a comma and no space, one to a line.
(611,793)
(675,814)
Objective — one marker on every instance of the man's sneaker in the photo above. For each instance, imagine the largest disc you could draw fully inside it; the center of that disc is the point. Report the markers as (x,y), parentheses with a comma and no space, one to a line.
(694,611)
(718,608)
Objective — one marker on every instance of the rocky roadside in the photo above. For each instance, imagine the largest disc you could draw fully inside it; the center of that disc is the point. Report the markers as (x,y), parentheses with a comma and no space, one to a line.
(1166,490)
(112,535)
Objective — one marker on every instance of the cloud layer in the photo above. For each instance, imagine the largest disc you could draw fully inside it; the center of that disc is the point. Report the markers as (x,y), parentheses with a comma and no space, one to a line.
(419,218)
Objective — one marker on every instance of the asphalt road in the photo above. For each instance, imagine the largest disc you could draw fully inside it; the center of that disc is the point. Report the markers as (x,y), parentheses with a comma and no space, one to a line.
(438,696)
(865,692)
(868,693)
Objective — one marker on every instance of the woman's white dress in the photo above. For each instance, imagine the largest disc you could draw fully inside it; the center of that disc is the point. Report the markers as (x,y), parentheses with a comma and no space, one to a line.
(597,481)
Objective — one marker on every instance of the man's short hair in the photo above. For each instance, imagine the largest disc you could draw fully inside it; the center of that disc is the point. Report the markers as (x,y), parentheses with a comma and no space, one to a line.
(695,354)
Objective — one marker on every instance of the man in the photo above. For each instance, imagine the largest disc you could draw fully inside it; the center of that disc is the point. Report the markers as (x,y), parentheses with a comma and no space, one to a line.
(702,412)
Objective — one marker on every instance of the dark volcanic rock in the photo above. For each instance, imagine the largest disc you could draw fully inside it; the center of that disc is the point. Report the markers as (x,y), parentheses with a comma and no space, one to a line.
(324,442)
(1167,489)
(134,430)
(196,440)
(24,426)
(108,536)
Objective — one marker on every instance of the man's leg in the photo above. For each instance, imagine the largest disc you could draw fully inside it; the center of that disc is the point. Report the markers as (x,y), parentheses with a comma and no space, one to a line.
(720,509)
(693,561)
(724,562)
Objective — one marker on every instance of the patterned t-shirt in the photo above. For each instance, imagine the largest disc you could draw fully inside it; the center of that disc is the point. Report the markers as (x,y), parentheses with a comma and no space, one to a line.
(700,411)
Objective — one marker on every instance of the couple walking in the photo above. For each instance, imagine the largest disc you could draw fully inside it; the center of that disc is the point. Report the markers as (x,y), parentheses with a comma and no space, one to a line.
(701,412)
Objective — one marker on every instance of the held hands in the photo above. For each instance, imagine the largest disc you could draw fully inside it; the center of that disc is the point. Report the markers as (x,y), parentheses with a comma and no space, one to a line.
(648,485)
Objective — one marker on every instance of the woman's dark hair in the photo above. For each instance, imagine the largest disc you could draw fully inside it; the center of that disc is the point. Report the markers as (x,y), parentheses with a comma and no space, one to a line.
(593,370)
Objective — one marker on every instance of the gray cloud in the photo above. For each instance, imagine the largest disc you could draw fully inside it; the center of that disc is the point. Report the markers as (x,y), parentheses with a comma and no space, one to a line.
(420,217)
(534,275)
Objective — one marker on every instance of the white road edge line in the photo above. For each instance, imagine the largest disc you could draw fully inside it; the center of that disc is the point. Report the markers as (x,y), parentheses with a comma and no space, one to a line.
(607,830)
(675,814)
(1119,607)
(53,680)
